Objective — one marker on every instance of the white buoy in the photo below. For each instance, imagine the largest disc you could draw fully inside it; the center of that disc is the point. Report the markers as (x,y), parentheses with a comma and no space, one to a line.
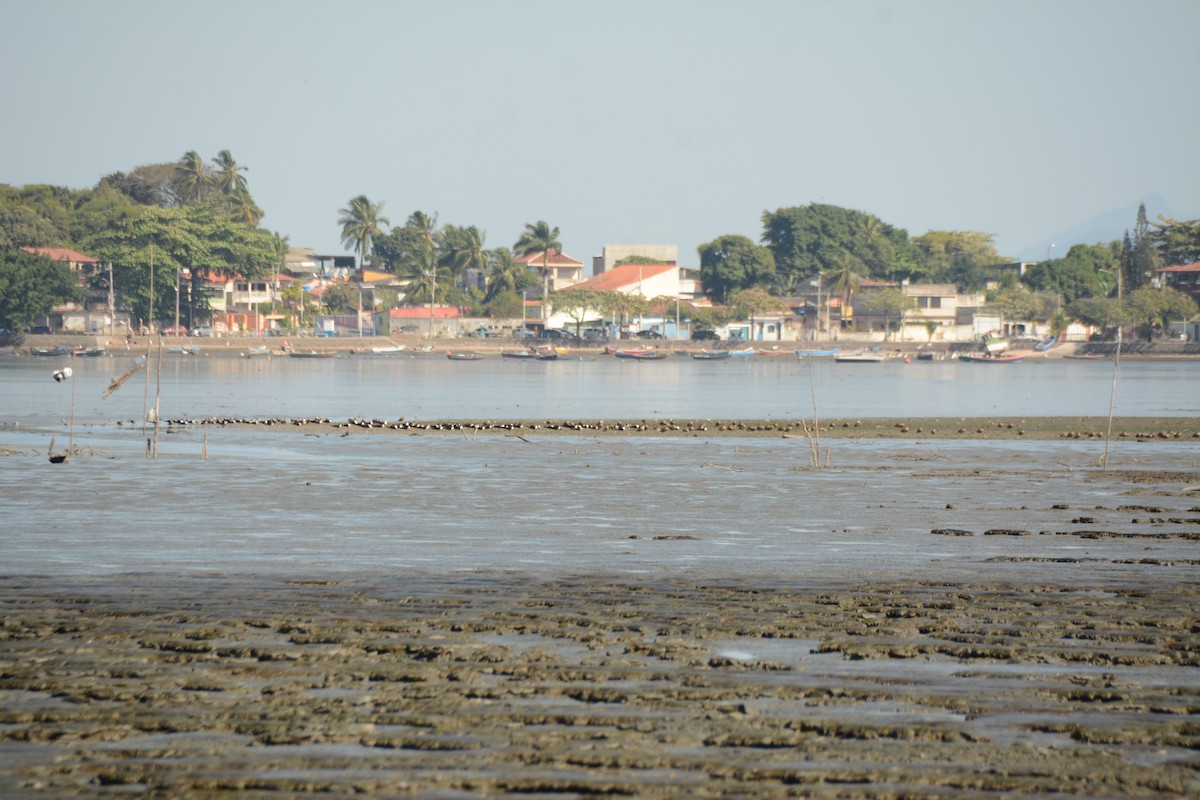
(64,373)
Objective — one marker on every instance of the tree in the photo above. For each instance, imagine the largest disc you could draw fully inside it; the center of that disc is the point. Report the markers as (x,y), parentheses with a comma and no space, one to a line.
(361,223)
(748,303)
(957,257)
(505,275)
(578,304)
(1176,242)
(1078,274)
(845,277)
(193,178)
(731,263)
(31,285)
(1143,259)
(504,305)
(228,177)
(539,237)
(339,297)
(465,251)
(1156,308)
(1099,312)
(809,239)
(1017,303)
(890,303)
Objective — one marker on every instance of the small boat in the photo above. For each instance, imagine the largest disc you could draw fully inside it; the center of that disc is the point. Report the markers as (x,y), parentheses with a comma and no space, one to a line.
(827,353)
(50,351)
(641,355)
(256,352)
(711,355)
(774,351)
(185,350)
(992,358)
(543,353)
(313,353)
(1046,344)
(930,355)
(996,344)
(743,353)
(387,351)
(860,357)
(464,356)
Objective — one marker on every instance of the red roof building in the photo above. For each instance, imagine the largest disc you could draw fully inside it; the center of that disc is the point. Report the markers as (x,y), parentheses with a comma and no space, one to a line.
(1182,278)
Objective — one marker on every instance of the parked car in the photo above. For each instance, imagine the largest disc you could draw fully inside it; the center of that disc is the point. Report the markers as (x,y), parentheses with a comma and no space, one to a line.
(482,332)
(202,330)
(596,335)
(560,335)
(649,335)
(710,336)
(524,333)
(174,330)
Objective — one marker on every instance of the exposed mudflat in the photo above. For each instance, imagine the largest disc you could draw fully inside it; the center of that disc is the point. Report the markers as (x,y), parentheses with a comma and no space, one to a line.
(495,685)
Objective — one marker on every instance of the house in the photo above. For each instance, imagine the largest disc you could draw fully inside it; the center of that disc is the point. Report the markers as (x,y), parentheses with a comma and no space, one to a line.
(611,254)
(96,314)
(436,319)
(561,271)
(1183,278)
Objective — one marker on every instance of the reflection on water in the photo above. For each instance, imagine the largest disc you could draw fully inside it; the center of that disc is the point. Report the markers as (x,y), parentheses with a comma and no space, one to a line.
(595,387)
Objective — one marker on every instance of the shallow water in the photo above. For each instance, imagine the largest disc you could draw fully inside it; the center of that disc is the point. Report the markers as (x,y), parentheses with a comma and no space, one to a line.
(594,387)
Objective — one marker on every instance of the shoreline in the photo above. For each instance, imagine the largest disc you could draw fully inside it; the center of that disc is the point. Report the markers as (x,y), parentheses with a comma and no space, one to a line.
(1140,429)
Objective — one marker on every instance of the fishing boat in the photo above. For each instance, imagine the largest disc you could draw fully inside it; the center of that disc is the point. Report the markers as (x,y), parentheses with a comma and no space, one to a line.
(743,353)
(543,353)
(256,352)
(992,358)
(774,351)
(1046,344)
(50,351)
(827,353)
(996,344)
(313,353)
(642,355)
(464,356)
(711,355)
(860,357)
(387,351)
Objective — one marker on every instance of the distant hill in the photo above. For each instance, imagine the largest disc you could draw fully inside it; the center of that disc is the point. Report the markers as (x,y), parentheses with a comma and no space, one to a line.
(1107,227)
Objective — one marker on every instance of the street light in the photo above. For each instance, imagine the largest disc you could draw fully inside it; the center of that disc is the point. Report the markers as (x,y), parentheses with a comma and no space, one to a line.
(1049,247)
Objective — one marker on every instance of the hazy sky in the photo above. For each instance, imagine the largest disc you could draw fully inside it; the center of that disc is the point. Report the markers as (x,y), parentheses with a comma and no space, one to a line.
(653,122)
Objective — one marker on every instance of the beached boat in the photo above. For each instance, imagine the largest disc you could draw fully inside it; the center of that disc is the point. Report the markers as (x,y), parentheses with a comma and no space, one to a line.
(185,350)
(49,351)
(996,344)
(860,357)
(826,353)
(543,353)
(464,356)
(313,353)
(774,351)
(256,352)
(745,352)
(711,355)
(642,354)
(1046,344)
(387,351)
(992,358)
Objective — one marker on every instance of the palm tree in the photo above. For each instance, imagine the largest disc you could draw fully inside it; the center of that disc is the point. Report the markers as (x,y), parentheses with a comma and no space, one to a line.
(192,175)
(229,178)
(361,222)
(464,250)
(504,274)
(539,237)
(244,208)
(846,280)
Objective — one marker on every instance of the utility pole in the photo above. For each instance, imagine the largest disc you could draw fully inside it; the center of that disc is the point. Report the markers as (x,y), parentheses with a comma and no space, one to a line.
(112,308)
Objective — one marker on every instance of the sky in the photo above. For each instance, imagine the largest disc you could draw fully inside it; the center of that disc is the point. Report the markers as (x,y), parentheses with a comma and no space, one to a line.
(621,122)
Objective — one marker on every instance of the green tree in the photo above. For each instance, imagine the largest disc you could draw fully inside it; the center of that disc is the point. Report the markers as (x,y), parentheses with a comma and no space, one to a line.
(1099,312)
(1176,242)
(465,251)
(1078,274)
(957,257)
(890,303)
(809,239)
(539,237)
(1158,307)
(341,297)
(577,303)
(362,221)
(228,177)
(31,285)
(193,178)
(1144,259)
(505,275)
(732,263)
(845,281)
(504,305)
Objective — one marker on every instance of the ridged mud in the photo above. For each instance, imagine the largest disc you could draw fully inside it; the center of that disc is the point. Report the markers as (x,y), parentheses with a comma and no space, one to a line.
(496,686)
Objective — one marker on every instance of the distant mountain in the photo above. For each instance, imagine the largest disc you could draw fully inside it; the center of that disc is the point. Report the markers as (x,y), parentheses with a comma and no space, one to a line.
(1109,226)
